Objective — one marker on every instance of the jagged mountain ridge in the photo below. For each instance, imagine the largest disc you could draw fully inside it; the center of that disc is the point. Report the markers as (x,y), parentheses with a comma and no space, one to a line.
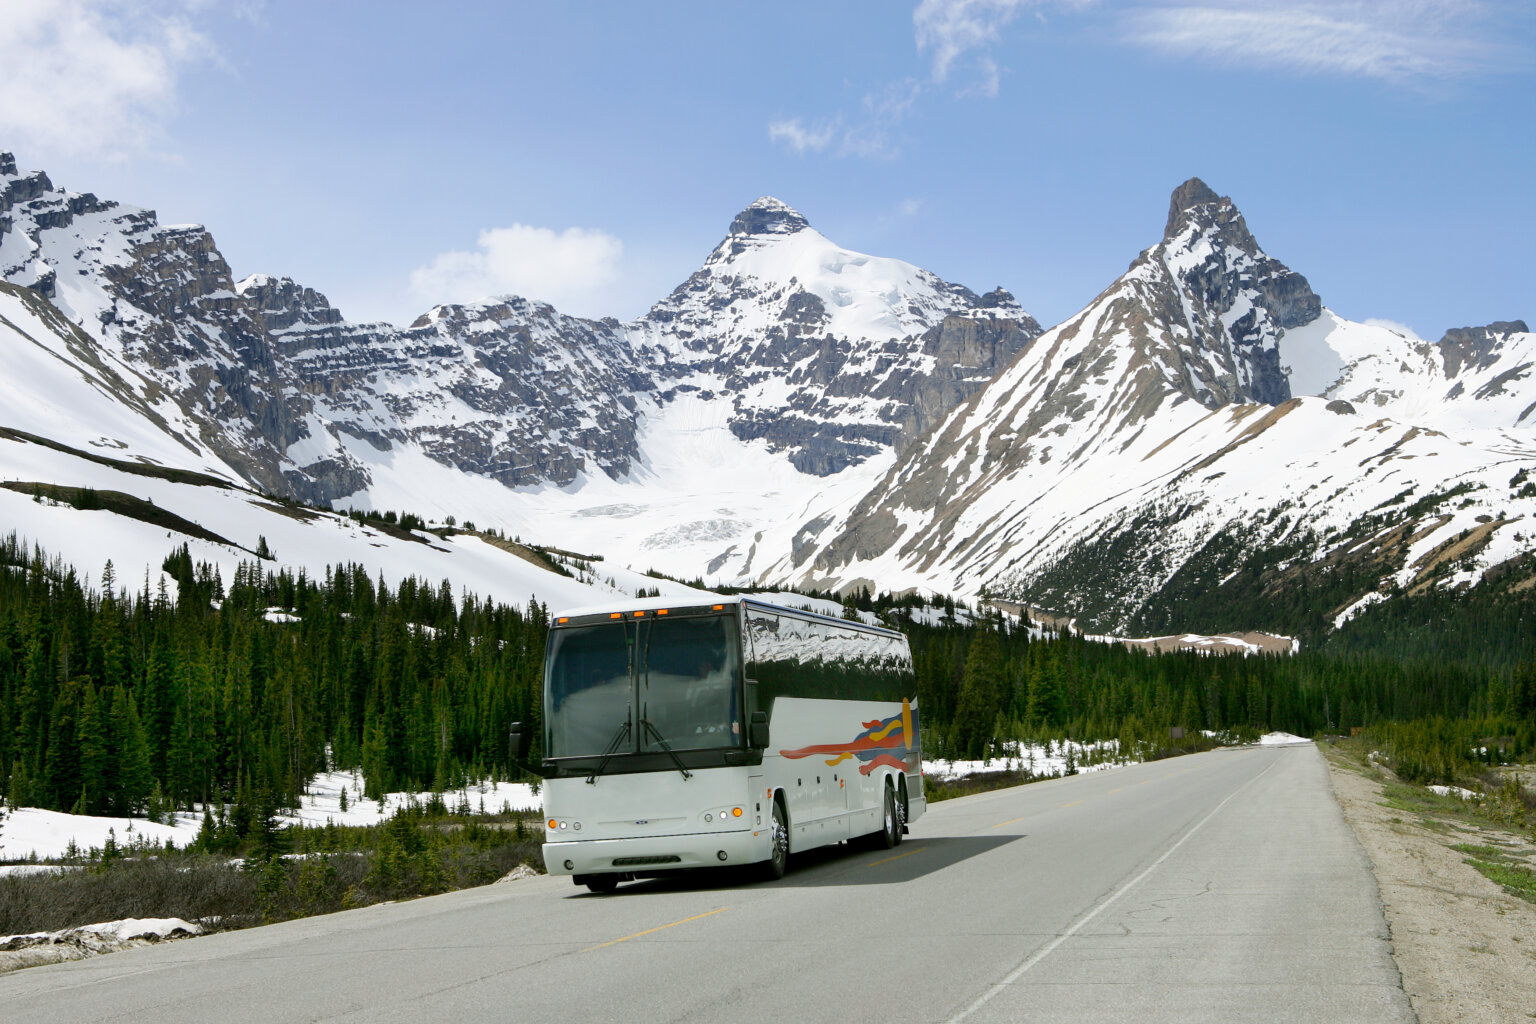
(1153,432)
(301,402)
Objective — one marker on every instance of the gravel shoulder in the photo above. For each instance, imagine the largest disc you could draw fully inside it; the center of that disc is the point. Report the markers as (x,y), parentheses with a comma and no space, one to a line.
(1466,947)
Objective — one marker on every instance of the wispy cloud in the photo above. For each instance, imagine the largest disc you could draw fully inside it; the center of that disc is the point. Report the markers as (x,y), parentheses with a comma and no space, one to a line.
(868,133)
(1394,326)
(797,138)
(957,32)
(954,34)
(966,45)
(571,269)
(1397,40)
(93,78)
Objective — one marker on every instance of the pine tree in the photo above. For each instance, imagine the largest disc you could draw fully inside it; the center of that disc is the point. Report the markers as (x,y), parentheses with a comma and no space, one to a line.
(980,695)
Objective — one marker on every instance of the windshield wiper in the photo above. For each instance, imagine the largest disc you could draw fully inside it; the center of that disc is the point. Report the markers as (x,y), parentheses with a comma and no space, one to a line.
(666,746)
(613,746)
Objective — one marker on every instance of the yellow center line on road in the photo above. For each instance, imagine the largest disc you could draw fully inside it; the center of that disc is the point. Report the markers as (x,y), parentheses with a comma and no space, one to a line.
(1114,791)
(1146,783)
(1074,803)
(887,860)
(659,928)
(1010,821)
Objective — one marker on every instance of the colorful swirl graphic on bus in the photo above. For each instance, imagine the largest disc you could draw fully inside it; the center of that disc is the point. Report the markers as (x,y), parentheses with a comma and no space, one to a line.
(885,742)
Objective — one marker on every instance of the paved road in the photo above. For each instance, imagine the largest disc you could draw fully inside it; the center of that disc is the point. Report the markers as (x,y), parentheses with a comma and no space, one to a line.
(1219,887)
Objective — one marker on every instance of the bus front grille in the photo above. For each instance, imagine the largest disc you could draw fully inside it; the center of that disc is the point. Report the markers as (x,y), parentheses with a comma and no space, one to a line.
(640,862)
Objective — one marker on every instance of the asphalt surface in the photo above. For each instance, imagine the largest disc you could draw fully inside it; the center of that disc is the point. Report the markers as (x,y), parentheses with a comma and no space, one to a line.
(1219,887)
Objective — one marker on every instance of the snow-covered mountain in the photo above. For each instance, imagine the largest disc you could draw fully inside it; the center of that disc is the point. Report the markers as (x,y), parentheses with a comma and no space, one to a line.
(1202,414)
(793,412)
(787,367)
(829,355)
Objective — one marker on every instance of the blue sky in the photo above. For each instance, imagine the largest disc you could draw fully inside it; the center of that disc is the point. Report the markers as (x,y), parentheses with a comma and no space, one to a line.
(393,155)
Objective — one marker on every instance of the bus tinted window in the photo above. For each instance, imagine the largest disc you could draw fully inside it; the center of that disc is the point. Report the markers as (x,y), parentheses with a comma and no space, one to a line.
(804,657)
(589,688)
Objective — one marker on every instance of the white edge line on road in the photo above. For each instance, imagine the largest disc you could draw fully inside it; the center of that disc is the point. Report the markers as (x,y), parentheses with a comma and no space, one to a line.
(1050,947)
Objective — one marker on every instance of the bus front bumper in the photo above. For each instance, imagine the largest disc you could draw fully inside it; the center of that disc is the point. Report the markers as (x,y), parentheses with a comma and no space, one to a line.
(649,854)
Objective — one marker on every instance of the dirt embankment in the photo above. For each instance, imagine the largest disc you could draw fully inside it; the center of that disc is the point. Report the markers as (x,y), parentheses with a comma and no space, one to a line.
(1466,947)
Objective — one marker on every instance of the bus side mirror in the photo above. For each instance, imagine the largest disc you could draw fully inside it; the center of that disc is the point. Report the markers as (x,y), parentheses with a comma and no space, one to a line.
(519,742)
(757,730)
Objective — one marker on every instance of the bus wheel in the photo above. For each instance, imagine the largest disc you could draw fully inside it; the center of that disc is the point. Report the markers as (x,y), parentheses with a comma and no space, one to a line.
(901,813)
(602,884)
(778,860)
(890,828)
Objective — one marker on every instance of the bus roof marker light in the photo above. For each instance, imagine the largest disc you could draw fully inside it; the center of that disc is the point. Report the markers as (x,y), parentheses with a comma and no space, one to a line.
(663,611)
(639,615)
(718,608)
(616,615)
(563,620)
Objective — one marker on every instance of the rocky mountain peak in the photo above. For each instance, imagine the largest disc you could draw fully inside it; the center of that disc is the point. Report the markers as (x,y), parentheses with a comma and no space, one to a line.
(1239,300)
(1189,196)
(7,163)
(281,302)
(768,216)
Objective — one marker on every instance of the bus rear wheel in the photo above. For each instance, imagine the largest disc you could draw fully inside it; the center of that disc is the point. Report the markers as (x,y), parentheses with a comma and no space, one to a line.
(602,884)
(890,826)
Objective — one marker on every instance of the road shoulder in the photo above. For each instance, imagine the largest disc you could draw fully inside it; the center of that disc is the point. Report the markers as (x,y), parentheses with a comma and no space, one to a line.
(1466,948)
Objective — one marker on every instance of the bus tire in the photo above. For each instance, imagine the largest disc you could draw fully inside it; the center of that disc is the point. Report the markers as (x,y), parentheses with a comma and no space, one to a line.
(602,884)
(890,828)
(902,828)
(777,863)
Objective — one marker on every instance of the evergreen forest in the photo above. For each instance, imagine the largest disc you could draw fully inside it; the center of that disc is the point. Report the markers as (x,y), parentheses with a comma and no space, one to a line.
(123,700)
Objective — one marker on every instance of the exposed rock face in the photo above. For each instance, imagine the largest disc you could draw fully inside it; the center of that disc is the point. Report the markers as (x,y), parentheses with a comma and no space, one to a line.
(1476,347)
(1237,302)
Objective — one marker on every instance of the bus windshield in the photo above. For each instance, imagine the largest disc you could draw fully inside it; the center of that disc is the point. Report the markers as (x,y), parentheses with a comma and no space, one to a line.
(642,687)
(589,687)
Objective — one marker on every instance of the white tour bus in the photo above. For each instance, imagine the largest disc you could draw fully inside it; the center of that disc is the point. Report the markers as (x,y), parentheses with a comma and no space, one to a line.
(680,735)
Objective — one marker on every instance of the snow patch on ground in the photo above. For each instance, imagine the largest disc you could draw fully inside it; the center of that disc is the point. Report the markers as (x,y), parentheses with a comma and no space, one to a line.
(38,948)
(1280,739)
(1049,759)
(31,832)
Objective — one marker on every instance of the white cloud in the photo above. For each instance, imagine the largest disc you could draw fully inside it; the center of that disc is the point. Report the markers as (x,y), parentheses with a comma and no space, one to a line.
(572,270)
(1384,39)
(92,78)
(799,138)
(909,207)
